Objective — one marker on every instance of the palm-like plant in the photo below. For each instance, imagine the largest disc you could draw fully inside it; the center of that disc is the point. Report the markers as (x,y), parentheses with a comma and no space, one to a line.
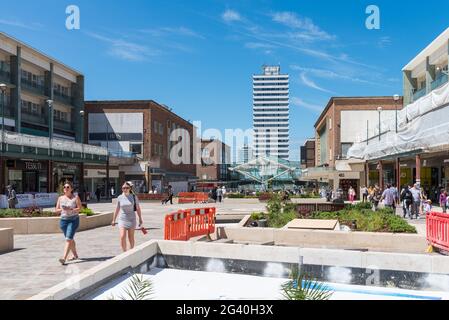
(303,287)
(137,289)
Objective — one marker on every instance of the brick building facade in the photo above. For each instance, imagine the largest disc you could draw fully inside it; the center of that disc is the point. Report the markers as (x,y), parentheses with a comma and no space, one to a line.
(141,130)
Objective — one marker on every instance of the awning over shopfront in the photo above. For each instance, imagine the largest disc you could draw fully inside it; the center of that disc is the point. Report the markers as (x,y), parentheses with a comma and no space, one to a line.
(423,127)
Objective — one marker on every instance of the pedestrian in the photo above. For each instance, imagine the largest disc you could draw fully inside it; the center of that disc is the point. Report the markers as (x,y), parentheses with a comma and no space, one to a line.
(416,204)
(364,193)
(407,200)
(127,205)
(443,200)
(351,194)
(376,197)
(389,198)
(112,191)
(12,197)
(396,195)
(428,207)
(223,191)
(214,194)
(98,194)
(169,195)
(219,194)
(69,206)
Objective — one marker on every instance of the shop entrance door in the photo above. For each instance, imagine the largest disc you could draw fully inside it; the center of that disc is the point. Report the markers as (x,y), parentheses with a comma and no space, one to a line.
(30,181)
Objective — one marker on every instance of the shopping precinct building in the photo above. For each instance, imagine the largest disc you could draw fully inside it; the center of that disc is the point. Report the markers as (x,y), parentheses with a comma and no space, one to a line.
(42,102)
(344,122)
(417,149)
(137,134)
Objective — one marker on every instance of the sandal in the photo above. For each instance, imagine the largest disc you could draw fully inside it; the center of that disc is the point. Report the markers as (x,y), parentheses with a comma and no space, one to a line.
(62,262)
(74,258)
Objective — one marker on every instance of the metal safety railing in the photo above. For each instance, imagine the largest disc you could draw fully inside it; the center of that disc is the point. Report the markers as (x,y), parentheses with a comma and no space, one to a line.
(186,224)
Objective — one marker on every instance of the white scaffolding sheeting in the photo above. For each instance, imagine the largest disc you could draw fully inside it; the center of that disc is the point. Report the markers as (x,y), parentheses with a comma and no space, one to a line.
(422,126)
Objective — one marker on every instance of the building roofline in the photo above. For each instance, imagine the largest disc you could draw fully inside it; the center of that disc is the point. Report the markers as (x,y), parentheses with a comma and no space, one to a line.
(333,99)
(53,60)
(439,41)
(137,102)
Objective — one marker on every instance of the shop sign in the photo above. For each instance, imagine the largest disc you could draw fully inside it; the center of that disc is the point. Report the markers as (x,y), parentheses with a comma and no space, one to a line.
(36,166)
(45,199)
(29,200)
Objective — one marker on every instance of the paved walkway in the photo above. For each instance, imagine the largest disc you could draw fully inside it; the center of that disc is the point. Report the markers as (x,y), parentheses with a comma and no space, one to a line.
(33,266)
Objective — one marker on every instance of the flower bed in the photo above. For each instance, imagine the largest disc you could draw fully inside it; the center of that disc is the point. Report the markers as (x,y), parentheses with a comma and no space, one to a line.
(358,217)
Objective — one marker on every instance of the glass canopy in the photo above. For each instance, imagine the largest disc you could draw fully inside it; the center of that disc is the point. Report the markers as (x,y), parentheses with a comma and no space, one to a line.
(269,169)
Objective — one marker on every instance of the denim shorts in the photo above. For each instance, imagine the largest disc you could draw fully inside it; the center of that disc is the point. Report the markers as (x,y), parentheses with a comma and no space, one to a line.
(69,227)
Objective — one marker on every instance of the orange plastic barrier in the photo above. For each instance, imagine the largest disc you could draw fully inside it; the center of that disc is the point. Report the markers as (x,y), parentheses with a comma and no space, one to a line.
(186,224)
(438,230)
(193,197)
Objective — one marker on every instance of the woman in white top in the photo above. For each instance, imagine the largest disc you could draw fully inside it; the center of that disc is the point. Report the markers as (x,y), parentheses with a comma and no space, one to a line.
(127,205)
(69,207)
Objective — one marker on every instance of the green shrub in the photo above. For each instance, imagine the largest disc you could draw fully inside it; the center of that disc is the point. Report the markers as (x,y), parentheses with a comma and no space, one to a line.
(257,216)
(32,212)
(88,212)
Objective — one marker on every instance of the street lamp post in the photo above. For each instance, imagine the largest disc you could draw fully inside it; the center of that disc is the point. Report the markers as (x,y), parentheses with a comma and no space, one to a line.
(3,88)
(50,147)
(396,99)
(380,111)
(107,162)
(83,189)
(50,125)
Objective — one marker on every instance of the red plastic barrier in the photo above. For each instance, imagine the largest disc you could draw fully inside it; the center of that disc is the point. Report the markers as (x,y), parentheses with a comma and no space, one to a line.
(186,224)
(438,230)
(193,197)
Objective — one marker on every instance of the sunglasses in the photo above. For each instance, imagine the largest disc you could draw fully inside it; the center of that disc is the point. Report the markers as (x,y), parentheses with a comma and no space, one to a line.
(66,187)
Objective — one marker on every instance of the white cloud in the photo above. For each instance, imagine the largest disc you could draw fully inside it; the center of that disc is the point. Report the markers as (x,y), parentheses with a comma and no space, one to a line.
(311,84)
(301,103)
(305,28)
(125,50)
(328,74)
(231,16)
(258,45)
(384,42)
(176,31)
(20,24)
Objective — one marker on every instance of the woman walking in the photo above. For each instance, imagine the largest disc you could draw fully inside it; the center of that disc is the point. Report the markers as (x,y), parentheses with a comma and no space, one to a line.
(69,206)
(127,206)
(351,193)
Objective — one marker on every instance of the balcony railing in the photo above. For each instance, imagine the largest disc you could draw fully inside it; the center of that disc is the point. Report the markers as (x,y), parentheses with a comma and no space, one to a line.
(63,125)
(420,93)
(442,79)
(33,86)
(58,96)
(35,118)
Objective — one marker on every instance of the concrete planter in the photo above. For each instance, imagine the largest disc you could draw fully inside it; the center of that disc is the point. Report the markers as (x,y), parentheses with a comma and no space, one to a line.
(372,241)
(6,240)
(49,225)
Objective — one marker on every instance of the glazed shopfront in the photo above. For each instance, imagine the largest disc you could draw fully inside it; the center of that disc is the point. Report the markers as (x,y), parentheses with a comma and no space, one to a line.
(32,176)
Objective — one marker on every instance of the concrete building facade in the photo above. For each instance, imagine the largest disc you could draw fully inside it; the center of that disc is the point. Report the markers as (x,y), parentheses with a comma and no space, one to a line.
(42,103)
(271,110)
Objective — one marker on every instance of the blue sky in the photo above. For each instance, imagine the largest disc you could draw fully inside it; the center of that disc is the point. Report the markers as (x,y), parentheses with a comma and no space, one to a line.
(198,56)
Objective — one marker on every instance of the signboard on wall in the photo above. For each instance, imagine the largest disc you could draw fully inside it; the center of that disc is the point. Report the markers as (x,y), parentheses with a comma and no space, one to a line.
(41,200)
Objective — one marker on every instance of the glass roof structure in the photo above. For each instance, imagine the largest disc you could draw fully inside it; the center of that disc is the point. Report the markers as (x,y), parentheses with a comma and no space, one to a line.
(269,169)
